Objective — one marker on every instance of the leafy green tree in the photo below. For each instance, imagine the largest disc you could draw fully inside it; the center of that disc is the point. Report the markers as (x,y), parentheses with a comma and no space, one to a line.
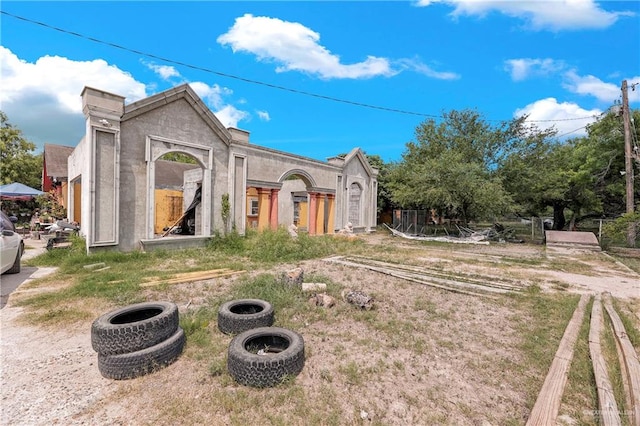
(17,161)
(451,167)
(179,157)
(581,175)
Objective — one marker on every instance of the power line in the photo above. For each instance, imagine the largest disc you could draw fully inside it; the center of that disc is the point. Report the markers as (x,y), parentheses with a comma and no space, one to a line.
(247,80)
(573,131)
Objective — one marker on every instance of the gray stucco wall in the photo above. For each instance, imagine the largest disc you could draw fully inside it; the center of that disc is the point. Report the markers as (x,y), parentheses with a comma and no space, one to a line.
(175,121)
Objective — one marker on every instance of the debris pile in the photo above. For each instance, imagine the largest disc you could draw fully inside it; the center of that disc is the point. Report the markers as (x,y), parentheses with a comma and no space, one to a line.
(358,298)
(292,278)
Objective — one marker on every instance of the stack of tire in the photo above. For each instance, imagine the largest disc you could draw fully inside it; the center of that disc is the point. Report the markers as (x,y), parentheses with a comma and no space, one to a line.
(137,339)
(259,355)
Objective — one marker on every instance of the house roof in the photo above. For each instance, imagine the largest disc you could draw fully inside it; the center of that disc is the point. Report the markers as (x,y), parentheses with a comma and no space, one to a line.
(169,174)
(55,159)
(185,92)
(357,153)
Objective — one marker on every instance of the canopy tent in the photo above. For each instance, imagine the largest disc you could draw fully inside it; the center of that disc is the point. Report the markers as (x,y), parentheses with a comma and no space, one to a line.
(18,191)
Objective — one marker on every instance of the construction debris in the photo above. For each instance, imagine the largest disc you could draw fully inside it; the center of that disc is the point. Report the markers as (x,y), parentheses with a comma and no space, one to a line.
(358,298)
(323,300)
(311,287)
(292,278)
(190,277)
(347,230)
(475,238)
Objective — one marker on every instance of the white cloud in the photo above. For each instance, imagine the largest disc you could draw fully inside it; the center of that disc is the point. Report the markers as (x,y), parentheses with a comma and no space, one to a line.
(62,79)
(166,72)
(554,15)
(263,115)
(229,116)
(566,117)
(43,99)
(213,96)
(422,68)
(523,68)
(593,86)
(296,48)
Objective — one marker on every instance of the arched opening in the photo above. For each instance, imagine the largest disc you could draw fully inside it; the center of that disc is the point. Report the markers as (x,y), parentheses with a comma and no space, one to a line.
(177,195)
(293,201)
(195,176)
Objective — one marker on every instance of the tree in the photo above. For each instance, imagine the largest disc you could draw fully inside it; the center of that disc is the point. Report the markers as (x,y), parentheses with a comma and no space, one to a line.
(451,167)
(17,162)
(580,175)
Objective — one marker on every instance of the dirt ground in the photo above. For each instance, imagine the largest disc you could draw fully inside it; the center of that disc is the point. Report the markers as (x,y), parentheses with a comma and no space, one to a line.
(460,375)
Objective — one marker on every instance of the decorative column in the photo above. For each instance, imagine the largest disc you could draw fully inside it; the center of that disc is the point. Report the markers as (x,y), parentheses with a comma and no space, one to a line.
(312,212)
(320,215)
(264,208)
(273,211)
(331,198)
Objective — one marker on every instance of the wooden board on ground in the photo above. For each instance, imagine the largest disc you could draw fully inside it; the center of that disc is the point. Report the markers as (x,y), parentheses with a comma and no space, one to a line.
(608,409)
(545,410)
(631,367)
(191,277)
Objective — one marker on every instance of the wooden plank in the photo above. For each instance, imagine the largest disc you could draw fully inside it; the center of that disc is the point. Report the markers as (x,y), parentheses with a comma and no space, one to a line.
(608,409)
(631,365)
(545,410)
(204,275)
(391,272)
(187,275)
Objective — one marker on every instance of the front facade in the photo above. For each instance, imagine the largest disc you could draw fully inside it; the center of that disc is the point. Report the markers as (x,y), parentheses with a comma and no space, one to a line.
(114,171)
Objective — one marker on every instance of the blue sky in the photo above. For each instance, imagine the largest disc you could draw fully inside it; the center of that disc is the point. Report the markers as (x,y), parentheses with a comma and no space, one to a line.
(350,74)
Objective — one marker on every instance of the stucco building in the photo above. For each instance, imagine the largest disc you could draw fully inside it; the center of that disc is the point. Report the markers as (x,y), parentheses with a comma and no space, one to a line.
(114,171)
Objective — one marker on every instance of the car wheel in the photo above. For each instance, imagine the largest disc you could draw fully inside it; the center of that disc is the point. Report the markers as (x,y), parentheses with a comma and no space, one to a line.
(263,357)
(240,315)
(139,363)
(134,327)
(15,269)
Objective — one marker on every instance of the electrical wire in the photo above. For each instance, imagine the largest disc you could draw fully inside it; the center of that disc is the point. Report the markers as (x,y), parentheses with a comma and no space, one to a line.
(251,81)
(573,131)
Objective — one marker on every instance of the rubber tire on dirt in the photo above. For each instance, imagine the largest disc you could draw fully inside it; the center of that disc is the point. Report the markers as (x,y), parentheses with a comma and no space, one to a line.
(145,361)
(15,268)
(285,357)
(134,327)
(240,315)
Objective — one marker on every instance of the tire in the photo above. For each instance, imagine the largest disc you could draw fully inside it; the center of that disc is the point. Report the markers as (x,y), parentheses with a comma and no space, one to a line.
(240,315)
(145,361)
(15,268)
(134,327)
(284,356)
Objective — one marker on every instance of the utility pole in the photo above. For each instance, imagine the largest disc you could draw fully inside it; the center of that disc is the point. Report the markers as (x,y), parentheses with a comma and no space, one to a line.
(628,163)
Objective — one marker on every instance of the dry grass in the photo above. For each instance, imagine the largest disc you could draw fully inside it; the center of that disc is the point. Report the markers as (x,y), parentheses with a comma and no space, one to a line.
(422,356)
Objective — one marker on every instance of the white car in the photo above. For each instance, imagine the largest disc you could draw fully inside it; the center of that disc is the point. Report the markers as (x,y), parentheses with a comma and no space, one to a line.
(11,246)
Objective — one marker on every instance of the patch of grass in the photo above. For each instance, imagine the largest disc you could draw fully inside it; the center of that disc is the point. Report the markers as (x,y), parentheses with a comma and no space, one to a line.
(352,373)
(629,327)
(196,325)
(218,367)
(58,316)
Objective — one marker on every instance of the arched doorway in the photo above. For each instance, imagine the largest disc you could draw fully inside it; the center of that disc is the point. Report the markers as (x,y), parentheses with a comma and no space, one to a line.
(197,177)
